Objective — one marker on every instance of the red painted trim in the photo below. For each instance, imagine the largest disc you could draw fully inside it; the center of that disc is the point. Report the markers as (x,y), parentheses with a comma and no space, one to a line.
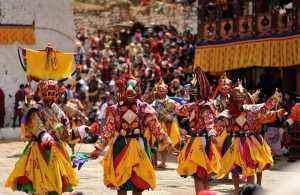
(202,173)
(120,155)
(139,182)
(41,149)
(65,183)
(22,180)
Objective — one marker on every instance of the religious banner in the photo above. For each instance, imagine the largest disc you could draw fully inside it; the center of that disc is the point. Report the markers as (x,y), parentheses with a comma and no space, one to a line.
(280,51)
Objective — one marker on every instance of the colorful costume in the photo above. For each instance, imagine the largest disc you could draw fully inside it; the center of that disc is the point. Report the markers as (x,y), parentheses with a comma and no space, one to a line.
(222,93)
(293,124)
(244,150)
(199,157)
(127,165)
(221,101)
(73,109)
(44,165)
(77,118)
(165,108)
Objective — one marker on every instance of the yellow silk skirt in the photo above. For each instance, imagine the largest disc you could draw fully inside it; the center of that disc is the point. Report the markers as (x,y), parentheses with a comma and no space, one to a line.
(150,138)
(173,132)
(245,155)
(194,157)
(220,139)
(131,164)
(45,176)
(261,153)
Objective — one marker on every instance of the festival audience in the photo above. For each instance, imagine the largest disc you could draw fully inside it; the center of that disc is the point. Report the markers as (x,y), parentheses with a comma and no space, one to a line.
(102,57)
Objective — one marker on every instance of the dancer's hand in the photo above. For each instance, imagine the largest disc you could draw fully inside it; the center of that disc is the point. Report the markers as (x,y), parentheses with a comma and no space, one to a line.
(187,136)
(281,113)
(95,154)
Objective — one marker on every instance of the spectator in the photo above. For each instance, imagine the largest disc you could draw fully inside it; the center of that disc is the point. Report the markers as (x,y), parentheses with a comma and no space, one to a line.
(79,56)
(69,91)
(93,90)
(81,36)
(175,88)
(19,99)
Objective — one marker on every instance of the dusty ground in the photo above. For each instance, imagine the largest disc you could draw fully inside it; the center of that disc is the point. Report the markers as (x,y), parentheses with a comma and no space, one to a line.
(168,181)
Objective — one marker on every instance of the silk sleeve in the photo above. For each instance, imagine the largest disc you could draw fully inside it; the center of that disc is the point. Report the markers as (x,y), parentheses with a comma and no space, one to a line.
(108,129)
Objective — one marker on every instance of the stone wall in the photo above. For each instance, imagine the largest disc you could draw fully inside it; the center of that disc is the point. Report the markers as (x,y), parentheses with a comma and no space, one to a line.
(99,17)
(104,17)
(53,24)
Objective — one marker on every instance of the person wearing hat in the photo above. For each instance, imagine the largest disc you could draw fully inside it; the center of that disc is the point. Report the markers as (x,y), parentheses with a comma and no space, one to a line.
(220,99)
(127,163)
(44,166)
(244,151)
(221,94)
(199,157)
(73,109)
(165,109)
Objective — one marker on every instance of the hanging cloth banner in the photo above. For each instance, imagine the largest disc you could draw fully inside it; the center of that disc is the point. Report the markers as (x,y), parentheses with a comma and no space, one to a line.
(22,34)
(45,65)
(266,52)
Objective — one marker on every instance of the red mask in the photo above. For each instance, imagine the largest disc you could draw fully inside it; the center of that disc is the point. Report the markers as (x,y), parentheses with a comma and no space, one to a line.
(48,91)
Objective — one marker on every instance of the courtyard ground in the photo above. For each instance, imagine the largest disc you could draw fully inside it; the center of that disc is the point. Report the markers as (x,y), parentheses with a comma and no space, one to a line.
(169,183)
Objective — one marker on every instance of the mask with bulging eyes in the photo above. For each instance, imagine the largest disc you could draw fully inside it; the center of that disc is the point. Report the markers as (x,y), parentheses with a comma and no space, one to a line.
(225,85)
(225,90)
(131,89)
(239,95)
(48,91)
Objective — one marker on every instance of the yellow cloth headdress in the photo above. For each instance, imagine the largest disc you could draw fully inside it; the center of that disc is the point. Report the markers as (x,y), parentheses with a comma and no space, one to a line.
(48,64)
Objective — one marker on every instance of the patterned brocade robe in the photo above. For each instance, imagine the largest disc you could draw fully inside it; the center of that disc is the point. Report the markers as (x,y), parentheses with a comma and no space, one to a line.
(244,150)
(199,157)
(201,116)
(165,109)
(44,165)
(127,163)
